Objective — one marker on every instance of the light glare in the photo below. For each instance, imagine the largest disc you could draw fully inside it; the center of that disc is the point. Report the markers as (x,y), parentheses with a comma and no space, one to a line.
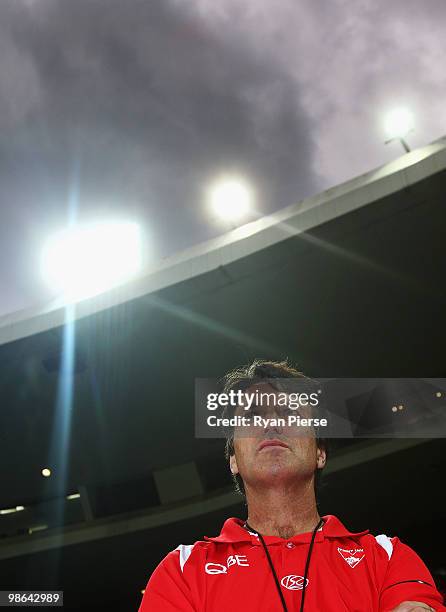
(82,261)
(230,199)
(73,496)
(398,123)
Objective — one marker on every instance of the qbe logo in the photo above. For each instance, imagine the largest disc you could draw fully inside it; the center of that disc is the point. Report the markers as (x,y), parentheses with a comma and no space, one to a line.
(293,582)
(219,568)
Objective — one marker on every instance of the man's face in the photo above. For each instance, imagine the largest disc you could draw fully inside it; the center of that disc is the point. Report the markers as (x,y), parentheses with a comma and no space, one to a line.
(265,456)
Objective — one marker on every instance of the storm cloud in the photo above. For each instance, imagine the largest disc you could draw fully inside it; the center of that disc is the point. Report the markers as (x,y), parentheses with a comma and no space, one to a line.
(131,108)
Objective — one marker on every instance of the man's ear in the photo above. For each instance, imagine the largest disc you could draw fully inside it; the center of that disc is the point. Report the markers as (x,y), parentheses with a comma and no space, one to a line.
(321,458)
(233,464)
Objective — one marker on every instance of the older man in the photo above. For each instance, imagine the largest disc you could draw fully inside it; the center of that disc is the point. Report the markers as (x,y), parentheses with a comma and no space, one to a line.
(285,556)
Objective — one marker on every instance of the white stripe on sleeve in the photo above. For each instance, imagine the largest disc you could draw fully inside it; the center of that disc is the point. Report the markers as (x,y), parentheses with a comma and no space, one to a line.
(185,551)
(386,543)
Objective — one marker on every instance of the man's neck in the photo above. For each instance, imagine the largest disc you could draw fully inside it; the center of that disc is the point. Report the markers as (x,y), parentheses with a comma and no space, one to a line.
(283,512)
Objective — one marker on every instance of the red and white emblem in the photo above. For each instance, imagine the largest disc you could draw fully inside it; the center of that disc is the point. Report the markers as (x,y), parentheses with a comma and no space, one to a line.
(352,556)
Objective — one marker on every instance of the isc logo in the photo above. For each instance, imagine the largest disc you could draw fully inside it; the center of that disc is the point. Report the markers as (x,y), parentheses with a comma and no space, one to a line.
(219,568)
(293,582)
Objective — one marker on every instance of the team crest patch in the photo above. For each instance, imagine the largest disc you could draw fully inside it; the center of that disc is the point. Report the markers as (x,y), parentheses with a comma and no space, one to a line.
(352,556)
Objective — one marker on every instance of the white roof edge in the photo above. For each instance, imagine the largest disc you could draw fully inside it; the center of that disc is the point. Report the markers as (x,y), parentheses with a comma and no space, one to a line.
(243,241)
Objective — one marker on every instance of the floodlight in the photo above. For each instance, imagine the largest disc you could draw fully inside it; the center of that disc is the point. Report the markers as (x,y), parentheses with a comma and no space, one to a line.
(84,260)
(230,199)
(398,123)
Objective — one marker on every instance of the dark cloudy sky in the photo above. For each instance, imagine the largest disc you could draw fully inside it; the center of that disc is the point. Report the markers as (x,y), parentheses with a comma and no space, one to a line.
(131,108)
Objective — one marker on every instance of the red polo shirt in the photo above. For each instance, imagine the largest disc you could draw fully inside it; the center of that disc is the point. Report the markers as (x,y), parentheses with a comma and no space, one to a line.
(349,572)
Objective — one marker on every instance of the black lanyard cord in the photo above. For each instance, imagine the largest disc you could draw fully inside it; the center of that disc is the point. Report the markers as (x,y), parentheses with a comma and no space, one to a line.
(307,564)
(276,580)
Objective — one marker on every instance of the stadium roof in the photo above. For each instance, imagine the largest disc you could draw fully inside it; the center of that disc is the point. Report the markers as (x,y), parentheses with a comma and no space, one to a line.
(394,179)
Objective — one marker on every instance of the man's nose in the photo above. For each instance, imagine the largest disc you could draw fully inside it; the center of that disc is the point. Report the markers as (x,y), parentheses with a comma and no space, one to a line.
(271,427)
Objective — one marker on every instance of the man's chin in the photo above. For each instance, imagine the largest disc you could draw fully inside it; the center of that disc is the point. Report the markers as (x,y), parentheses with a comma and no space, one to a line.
(274,474)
